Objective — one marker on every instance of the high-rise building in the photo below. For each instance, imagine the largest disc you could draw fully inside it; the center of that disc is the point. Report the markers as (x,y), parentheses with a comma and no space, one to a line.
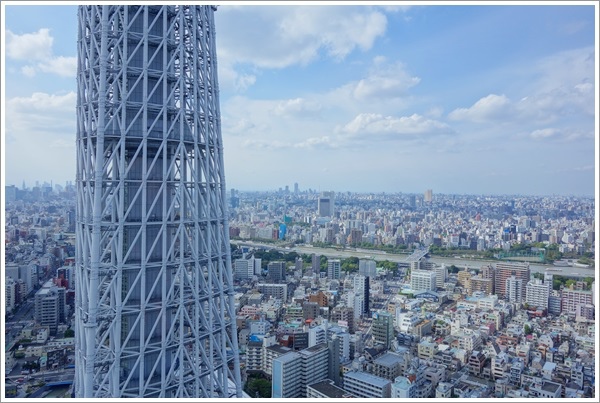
(488,271)
(333,269)
(10,295)
(316,263)
(278,291)
(344,316)
(244,269)
(293,371)
(383,328)
(367,267)
(50,303)
(538,293)
(464,280)
(441,275)
(154,309)
(514,289)
(504,270)
(423,280)
(572,298)
(361,287)
(355,236)
(326,204)
(428,196)
(276,271)
(480,284)
(364,385)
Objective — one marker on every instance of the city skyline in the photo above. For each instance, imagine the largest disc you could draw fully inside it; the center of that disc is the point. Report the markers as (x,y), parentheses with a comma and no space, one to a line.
(298,106)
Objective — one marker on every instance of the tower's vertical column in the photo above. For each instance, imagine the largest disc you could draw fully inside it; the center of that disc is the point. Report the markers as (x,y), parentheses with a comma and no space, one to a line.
(154,302)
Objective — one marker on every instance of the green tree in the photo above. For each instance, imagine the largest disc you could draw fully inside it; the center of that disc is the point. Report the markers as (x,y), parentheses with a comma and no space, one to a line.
(258,387)
(290,256)
(69,333)
(527,329)
(323,263)
(350,265)
(392,266)
(585,260)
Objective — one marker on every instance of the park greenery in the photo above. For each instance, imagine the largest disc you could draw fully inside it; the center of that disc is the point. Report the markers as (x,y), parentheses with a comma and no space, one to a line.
(567,282)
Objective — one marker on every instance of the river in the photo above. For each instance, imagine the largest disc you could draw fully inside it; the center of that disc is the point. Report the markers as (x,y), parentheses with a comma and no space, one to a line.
(461,263)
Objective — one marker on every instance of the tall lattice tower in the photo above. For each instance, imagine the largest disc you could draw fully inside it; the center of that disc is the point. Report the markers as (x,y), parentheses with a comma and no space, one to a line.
(154,296)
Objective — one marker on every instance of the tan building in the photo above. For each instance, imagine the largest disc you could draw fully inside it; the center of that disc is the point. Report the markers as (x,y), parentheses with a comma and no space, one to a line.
(464,280)
(320,298)
(479,284)
(426,349)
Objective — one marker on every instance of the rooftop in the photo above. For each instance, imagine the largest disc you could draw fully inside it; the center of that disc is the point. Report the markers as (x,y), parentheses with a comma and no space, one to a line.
(279,349)
(327,388)
(290,356)
(551,387)
(388,359)
(368,378)
(402,382)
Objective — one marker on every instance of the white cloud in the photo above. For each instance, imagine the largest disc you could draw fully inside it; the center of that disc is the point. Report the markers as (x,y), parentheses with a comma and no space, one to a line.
(42,130)
(33,119)
(338,30)
(36,48)
(283,36)
(541,107)
(488,108)
(562,135)
(396,8)
(43,102)
(559,91)
(544,133)
(382,81)
(265,144)
(33,46)
(28,71)
(241,126)
(298,107)
(376,124)
(60,65)
(435,112)
(563,69)
(317,142)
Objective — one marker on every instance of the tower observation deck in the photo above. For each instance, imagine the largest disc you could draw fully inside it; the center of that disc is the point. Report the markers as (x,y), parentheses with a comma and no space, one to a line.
(154,313)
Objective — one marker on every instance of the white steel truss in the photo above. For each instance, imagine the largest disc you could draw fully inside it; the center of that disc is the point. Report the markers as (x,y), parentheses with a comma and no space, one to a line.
(154,298)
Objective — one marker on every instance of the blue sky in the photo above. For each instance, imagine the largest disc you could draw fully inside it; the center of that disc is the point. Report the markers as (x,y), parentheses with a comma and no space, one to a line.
(458,99)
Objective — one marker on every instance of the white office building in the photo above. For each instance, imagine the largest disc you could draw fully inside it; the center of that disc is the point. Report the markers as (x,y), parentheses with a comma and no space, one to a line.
(367,267)
(362,384)
(441,275)
(333,269)
(538,293)
(423,280)
(514,289)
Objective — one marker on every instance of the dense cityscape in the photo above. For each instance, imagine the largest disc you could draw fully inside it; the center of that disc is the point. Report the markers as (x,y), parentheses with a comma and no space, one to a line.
(145,276)
(340,294)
